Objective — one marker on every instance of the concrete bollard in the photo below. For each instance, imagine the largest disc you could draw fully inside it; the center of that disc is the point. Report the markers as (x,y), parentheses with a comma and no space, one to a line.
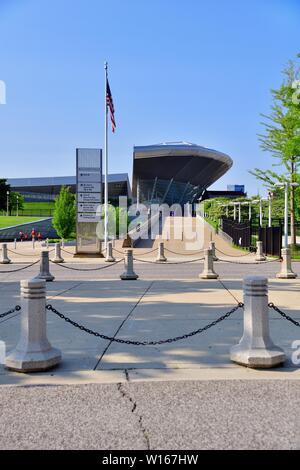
(256,348)
(161,253)
(33,352)
(4,259)
(208,271)
(47,242)
(259,252)
(286,271)
(109,253)
(129,273)
(15,244)
(33,243)
(62,242)
(44,267)
(57,257)
(212,247)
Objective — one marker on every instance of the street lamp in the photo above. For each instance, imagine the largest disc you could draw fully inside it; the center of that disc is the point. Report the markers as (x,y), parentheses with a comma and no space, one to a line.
(270,197)
(17,206)
(286,209)
(7,203)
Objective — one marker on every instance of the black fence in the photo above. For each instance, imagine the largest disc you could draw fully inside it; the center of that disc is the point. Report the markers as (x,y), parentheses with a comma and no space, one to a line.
(239,232)
(246,234)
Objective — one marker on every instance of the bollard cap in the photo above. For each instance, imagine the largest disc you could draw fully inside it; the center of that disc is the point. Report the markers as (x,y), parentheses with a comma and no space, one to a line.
(33,283)
(255,280)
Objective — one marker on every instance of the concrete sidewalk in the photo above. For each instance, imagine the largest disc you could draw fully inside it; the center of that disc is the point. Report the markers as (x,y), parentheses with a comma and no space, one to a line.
(149,310)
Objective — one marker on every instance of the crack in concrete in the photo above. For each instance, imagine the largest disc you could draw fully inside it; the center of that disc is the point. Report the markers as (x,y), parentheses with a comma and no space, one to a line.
(134,410)
(123,322)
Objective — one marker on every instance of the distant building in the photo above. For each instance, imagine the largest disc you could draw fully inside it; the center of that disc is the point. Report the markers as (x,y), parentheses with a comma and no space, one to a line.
(47,188)
(239,188)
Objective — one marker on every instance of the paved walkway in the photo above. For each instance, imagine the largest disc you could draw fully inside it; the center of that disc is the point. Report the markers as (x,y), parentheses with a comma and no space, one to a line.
(182,395)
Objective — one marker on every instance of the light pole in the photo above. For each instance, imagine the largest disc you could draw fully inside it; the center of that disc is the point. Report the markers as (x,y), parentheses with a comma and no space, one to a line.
(234,211)
(270,197)
(7,203)
(17,206)
(286,209)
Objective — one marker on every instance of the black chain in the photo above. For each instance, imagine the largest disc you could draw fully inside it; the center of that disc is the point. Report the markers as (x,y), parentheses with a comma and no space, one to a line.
(253,262)
(89,269)
(232,256)
(19,269)
(183,254)
(145,343)
(283,314)
(15,309)
(22,254)
(168,262)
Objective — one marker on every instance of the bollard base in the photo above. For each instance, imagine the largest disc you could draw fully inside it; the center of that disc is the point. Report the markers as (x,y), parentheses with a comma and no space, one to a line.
(129,277)
(286,275)
(46,277)
(260,258)
(110,260)
(58,260)
(208,275)
(257,358)
(162,259)
(5,261)
(34,361)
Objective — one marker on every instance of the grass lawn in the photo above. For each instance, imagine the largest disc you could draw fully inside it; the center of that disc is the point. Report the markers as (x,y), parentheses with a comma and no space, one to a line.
(9,221)
(30,206)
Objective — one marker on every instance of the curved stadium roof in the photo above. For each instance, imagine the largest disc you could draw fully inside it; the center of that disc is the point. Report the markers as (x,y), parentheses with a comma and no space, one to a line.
(176,172)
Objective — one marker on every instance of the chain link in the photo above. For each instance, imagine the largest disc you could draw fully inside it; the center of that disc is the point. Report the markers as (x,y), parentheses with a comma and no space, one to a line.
(253,262)
(17,308)
(168,262)
(283,314)
(89,269)
(19,269)
(144,343)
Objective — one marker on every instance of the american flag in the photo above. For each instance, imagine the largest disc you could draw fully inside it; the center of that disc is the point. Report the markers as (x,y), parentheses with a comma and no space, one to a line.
(110,105)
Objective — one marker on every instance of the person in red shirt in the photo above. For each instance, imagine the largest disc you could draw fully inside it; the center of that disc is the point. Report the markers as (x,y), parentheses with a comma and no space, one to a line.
(33,234)
(39,237)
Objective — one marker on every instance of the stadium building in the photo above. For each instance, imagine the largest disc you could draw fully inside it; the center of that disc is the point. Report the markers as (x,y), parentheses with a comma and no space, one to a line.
(172,172)
(175,172)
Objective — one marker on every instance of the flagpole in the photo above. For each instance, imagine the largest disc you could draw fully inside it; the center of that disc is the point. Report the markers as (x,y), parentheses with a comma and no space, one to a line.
(106,165)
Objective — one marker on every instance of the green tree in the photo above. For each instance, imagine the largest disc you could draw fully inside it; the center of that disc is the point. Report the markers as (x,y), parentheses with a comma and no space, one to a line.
(64,218)
(281,138)
(4,187)
(16,200)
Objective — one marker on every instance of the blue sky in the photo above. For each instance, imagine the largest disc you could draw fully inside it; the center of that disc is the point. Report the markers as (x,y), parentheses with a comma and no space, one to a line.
(191,70)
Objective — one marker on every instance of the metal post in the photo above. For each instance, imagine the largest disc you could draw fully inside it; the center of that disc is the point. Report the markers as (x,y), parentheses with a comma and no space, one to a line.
(270,211)
(286,215)
(33,352)
(239,204)
(256,348)
(250,207)
(7,203)
(106,163)
(260,213)
(234,211)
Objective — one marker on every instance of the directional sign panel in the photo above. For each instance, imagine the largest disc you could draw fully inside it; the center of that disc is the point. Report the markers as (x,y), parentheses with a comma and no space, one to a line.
(89,197)
(89,187)
(88,217)
(89,176)
(88,207)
